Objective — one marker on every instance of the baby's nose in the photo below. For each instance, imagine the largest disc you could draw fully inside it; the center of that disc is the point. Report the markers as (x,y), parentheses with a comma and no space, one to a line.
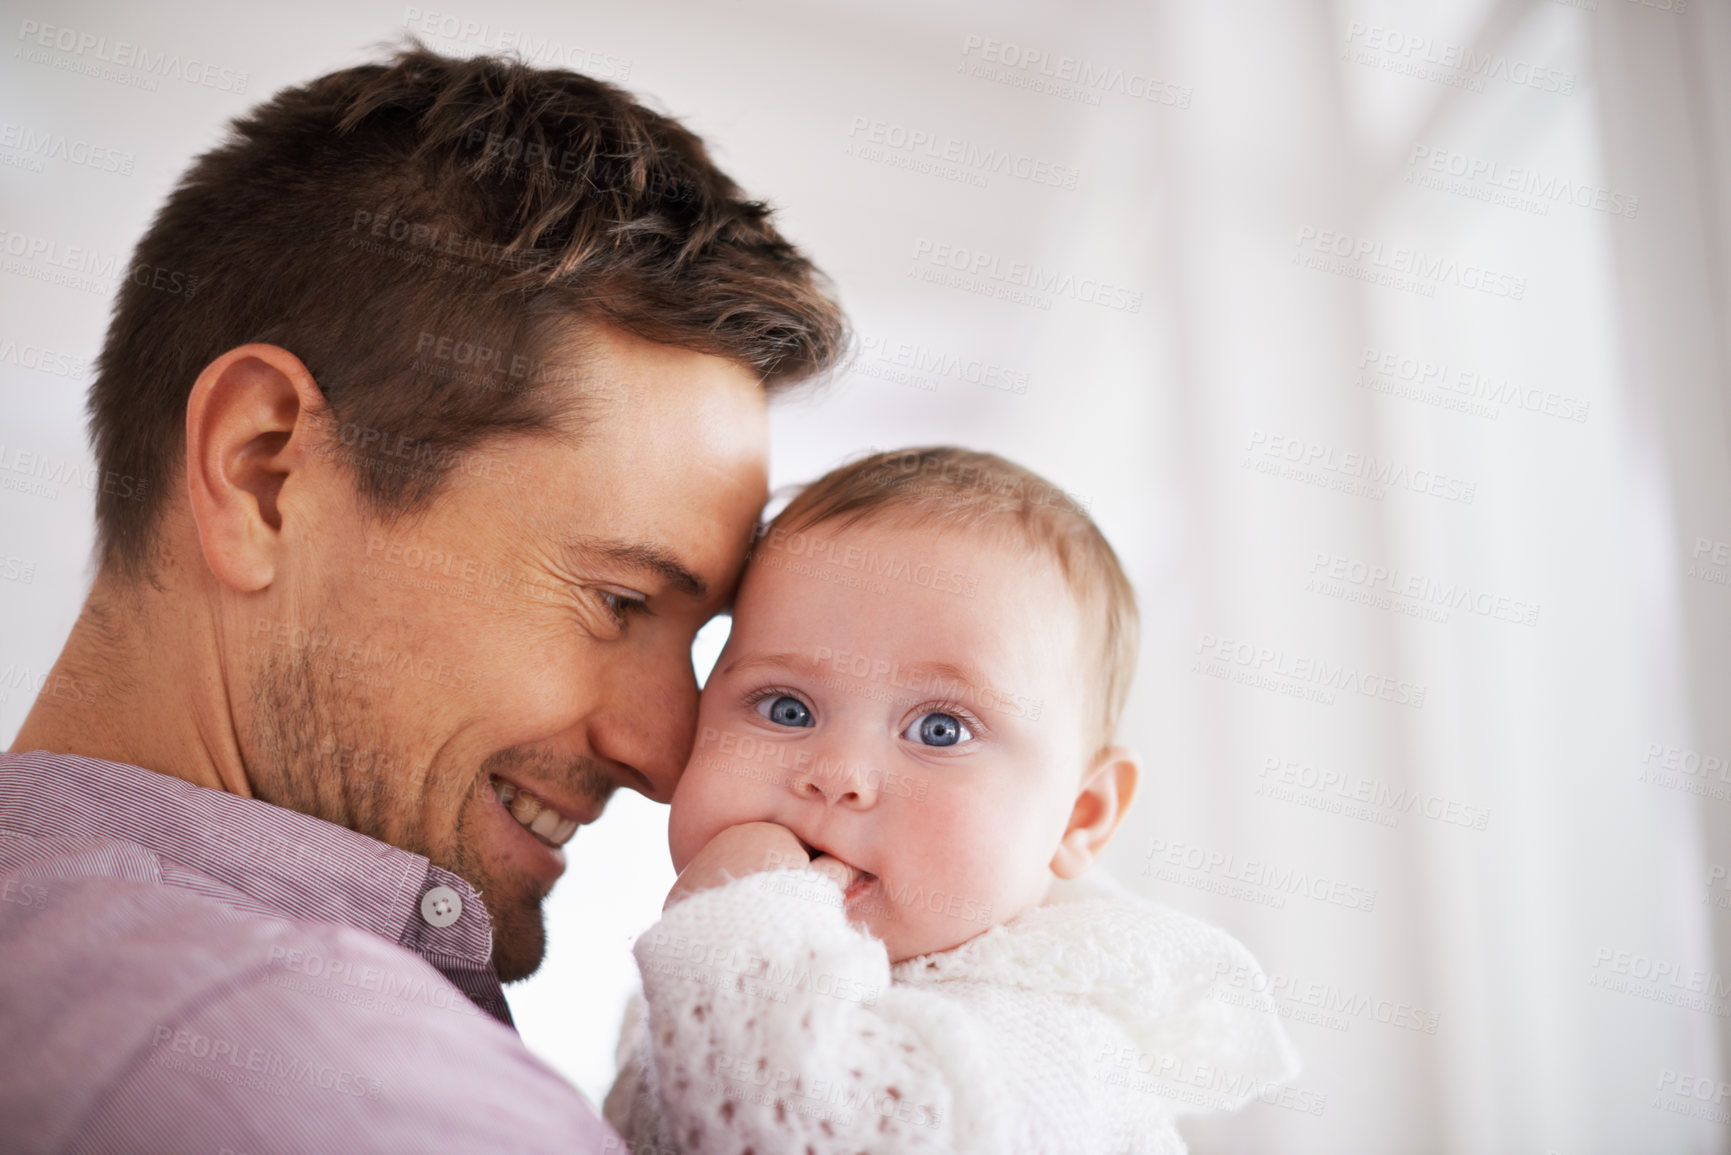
(839,781)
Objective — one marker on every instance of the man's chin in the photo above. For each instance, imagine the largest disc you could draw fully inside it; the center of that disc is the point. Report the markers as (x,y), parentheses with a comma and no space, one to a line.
(518,923)
(519,944)
(512,895)
(514,907)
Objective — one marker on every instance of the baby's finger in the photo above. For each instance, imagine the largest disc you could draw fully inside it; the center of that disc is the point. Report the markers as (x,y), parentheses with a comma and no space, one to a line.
(834,868)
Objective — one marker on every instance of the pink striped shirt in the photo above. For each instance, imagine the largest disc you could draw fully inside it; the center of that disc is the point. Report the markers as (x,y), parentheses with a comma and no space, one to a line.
(184,970)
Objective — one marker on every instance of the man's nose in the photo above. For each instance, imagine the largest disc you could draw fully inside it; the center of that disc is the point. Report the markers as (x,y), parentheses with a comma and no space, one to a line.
(649,721)
(838,781)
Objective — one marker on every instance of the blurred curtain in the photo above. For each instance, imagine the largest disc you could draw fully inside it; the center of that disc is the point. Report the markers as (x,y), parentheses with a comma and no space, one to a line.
(1584,641)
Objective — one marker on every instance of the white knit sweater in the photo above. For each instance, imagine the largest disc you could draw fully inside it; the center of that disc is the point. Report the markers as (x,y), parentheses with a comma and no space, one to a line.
(1084,1025)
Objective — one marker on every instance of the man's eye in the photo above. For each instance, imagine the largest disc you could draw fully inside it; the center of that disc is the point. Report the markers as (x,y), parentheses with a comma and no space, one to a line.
(937,729)
(621,606)
(785,711)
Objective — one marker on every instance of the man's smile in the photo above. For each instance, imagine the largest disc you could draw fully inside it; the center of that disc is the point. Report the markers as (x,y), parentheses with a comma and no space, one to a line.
(535,814)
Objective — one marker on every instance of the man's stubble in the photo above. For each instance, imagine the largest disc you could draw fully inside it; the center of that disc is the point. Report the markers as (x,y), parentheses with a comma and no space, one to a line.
(318,746)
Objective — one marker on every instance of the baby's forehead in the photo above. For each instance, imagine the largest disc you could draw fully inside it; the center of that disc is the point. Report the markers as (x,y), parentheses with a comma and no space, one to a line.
(978,597)
(986,563)
(886,540)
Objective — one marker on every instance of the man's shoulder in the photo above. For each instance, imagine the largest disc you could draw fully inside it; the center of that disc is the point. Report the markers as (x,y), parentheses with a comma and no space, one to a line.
(123,938)
(122,994)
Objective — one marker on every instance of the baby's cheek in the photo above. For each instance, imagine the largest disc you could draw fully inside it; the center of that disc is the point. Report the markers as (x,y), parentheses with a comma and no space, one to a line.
(693,819)
(957,866)
(994,857)
(711,797)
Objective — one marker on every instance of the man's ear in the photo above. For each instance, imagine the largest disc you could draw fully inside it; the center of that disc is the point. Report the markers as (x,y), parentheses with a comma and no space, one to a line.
(1107,789)
(248,424)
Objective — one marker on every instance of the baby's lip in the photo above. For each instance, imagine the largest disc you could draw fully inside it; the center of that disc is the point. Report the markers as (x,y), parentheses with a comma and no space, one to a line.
(844,872)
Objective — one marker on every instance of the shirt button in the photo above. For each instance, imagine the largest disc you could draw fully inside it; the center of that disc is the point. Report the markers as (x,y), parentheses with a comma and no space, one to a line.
(441,906)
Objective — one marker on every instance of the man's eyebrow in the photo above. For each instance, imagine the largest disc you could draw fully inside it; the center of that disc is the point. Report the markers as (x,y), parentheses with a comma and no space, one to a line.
(643,556)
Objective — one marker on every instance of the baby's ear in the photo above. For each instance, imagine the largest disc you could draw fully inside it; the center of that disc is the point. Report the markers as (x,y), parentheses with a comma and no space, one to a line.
(1107,789)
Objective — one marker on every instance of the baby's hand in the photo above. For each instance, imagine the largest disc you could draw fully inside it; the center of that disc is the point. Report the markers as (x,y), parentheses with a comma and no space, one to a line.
(739,850)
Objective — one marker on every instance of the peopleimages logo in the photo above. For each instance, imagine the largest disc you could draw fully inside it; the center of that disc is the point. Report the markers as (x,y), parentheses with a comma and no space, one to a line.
(833,552)
(228,1061)
(47,472)
(1698,1096)
(1447,170)
(125,54)
(1070,77)
(1446,62)
(541,50)
(1399,266)
(45,683)
(42,359)
(1315,679)
(1191,865)
(1659,980)
(1391,588)
(1333,1002)
(1023,281)
(79,267)
(1304,778)
(920,365)
(1465,390)
(1209,1084)
(17,569)
(35,146)
(1710,561)
(886,141)
(1688,771)
(1365,475)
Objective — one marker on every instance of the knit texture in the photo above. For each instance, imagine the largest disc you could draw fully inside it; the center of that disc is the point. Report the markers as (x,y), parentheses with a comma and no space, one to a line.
(768,1024)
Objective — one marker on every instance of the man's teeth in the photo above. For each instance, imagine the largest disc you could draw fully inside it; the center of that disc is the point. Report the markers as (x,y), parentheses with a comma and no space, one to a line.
(532,814)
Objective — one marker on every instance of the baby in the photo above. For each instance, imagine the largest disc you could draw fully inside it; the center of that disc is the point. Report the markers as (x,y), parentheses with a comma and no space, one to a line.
(881,938)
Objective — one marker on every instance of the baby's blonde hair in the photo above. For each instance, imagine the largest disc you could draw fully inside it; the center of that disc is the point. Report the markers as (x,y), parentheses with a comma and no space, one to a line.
(947,486)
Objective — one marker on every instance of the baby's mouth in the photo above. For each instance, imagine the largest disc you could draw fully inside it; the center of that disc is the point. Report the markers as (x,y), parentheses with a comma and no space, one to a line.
(856,881)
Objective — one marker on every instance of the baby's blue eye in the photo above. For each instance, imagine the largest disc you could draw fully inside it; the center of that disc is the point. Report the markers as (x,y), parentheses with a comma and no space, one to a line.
(937,729)
(785,711)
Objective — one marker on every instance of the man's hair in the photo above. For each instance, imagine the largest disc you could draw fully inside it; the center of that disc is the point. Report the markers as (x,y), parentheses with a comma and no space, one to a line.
(944,487)
(426,234)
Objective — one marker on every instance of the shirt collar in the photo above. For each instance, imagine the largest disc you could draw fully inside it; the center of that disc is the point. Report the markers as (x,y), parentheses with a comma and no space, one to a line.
(303,866)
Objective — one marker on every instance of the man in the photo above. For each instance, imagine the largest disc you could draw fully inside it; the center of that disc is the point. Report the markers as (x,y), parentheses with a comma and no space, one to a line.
(444,431)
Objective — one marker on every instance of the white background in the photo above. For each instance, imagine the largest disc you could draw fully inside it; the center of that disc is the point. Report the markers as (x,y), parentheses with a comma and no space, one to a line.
(1275,126)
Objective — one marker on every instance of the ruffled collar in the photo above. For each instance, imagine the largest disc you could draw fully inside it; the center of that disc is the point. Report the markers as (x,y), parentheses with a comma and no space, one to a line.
(1152,969)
